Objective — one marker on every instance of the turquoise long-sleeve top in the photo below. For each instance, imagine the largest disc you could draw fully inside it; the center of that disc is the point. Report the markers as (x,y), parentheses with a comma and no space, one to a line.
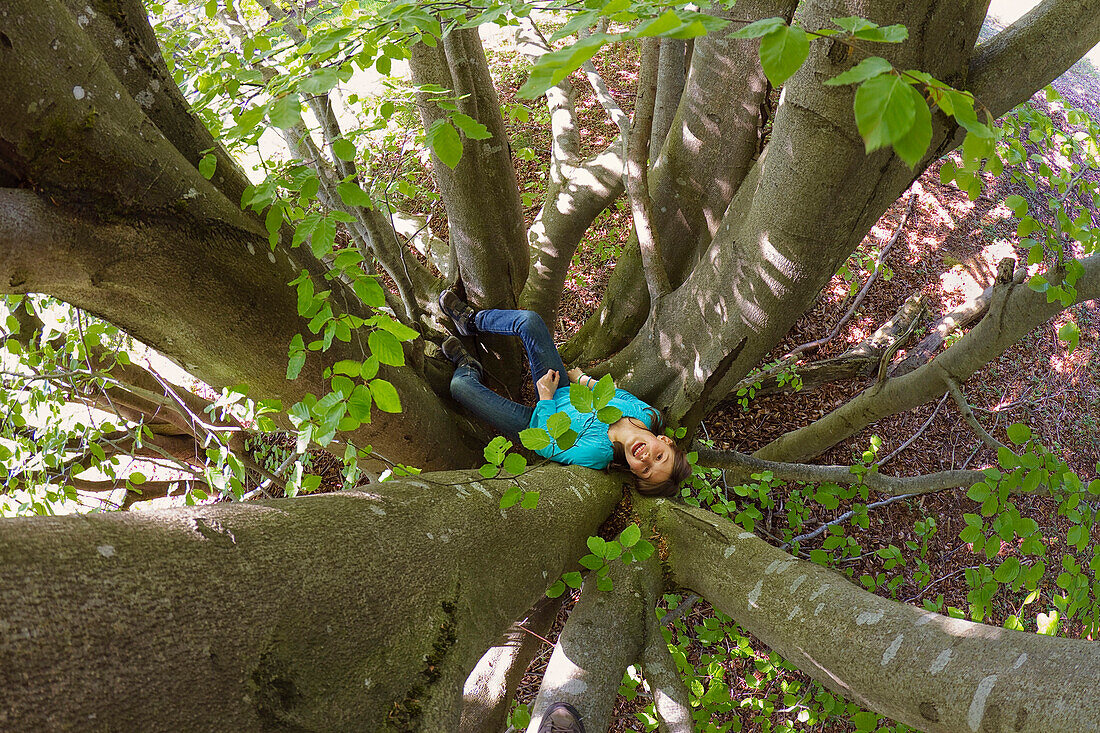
(593,447)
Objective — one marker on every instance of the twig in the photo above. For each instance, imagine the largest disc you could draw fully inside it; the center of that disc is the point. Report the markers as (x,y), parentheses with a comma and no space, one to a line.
(940,580)
(968,414)
(915,435)
(879,262)
(844,517)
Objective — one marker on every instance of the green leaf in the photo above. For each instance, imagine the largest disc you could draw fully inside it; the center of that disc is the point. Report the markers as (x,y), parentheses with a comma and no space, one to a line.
(556,589)
(1070,334)
(352,195)
(1019,433)
(321,81)
(510,497)
(760,28)
(912,147)
(980,491)
(488,470)
(386,347)
(557,424)
(603,392)
(343,149)
(580,397)
(1047,624)
(207,166)
(297,357)
(552,67)
(591,562)
(1018,204)
(285,112)
(853,23)
(515,464)
(884,110)
(782,52)
(866,69)
(609,414)
(530,499)
(630,536)
(444,141)
(1007,571)
(643,549)
(400,330)
(663,23)
(596,545)
(470,127)
(369,291)
(884,34)
(385,396)
(573,580)
(359,403)
(534,438)
(566,440)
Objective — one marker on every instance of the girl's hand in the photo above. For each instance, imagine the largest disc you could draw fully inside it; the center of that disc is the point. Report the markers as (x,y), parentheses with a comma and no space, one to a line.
(547,385)
(575,374)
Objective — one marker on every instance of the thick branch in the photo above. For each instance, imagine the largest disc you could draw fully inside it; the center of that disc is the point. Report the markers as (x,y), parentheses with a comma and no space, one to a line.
(308,633)
(637,173)
(1032,52)
(604,634)
(559,98)
(489,689)
(932,672)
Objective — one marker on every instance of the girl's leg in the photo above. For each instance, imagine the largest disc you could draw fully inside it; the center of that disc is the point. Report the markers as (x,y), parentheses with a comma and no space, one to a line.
(500,412)
(531,329)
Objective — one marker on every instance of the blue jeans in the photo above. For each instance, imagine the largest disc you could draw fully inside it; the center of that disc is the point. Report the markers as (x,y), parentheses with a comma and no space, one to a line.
(500,412)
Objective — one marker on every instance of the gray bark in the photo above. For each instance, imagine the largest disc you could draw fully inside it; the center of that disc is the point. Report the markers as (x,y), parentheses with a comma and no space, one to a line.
(708,151)
(1032,52)
(605,633)
(671,75)
(818,194)
(484,213)
(116,220)
(488,691)
(935,673)
(331,612)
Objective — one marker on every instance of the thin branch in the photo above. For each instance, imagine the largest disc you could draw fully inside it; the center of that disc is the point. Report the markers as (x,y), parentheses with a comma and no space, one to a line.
(843,518)
(968,414)
(893,454)
(842,475)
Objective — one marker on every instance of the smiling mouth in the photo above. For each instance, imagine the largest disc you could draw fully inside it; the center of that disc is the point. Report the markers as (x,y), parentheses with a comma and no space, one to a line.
(638,449)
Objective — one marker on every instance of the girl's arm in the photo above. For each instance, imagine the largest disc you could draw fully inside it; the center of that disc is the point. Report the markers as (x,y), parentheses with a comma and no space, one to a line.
(576,375)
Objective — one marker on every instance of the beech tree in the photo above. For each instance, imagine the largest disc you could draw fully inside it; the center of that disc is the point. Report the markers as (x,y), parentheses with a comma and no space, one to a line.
(383,606)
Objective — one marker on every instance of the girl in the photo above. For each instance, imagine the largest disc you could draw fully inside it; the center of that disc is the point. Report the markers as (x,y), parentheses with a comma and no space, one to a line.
(630,442)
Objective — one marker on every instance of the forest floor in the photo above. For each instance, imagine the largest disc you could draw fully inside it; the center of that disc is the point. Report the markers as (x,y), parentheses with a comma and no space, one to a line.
(948,251)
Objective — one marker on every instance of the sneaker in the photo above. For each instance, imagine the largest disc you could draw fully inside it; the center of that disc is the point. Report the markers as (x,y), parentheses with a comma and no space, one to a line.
(561,717)
(459,311)
(456,352)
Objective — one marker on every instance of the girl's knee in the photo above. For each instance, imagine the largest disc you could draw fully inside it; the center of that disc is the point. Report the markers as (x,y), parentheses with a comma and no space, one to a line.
(531,321)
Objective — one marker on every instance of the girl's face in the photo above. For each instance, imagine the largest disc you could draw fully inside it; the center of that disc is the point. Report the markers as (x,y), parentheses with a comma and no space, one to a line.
(650,457)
